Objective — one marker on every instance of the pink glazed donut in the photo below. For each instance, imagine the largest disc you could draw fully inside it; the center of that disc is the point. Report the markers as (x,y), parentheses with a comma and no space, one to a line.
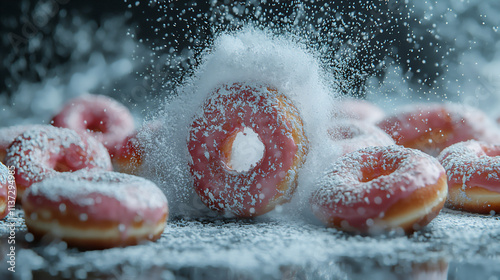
(272,180)
(473,170)
(8,134)
(379,189)
(106,119)
(96,209)
(46,151)
(433,127)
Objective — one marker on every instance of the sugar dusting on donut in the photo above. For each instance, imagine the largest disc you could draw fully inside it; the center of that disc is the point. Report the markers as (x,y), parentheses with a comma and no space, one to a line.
(103,117)
(97,183)
(473,170)
(96,209)
(246,56)
(276,122)
(8,134)
(46,150)
(360,190)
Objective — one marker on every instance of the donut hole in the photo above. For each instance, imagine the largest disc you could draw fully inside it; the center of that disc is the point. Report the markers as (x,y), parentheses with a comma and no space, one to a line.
(372,173)
(243,150)
(96,123)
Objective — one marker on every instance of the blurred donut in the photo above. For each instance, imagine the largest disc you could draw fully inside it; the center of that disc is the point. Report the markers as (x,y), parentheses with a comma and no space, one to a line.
(433,127)
(103,117)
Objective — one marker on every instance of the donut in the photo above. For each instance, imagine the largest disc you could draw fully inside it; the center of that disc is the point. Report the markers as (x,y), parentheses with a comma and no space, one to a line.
(7,191)
(351,135)
(130,155)
(128,158)
(433,127)
(105,118)
(246,148)
(8,134)
(96,209)
(380,189)
(358,109)
(45,151)
(473,170)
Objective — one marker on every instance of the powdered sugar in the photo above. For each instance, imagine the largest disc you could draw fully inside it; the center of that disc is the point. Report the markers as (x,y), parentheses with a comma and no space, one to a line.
(36,153)
(249,56)
(77,186)
(472,163)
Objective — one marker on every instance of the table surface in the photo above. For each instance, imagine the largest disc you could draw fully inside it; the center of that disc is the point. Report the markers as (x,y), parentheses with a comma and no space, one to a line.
(455,245)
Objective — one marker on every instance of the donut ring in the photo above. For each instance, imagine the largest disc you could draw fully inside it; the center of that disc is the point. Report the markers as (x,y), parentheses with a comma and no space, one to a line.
(46,151)
(351,135)
(379,189)
(7,190)
(473,170)
(8,134)
(103,117)
(96,210)
(272,180)
(433,127)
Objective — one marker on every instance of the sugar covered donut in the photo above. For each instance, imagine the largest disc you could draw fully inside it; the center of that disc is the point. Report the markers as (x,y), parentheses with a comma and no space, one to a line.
(379,189)
(96,209)
(275,141)
(433,127)
(473,170)
(358,109)
(45,151)
(8,134)
(7,190)
(106,119)
(351,135)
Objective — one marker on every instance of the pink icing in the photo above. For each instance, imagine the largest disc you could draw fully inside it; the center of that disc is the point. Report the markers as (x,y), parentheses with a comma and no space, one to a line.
(364,184)
(106,119)
(8,134)
(454,122)
(226,113)
(44,151)
(473,164)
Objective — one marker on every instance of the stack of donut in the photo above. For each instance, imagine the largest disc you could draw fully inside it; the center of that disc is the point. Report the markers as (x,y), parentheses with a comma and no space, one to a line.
(65,183)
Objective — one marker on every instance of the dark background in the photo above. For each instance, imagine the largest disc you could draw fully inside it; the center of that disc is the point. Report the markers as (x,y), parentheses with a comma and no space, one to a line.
(344,26)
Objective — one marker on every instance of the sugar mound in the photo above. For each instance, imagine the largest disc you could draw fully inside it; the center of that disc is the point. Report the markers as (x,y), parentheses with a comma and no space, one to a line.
(249,55)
